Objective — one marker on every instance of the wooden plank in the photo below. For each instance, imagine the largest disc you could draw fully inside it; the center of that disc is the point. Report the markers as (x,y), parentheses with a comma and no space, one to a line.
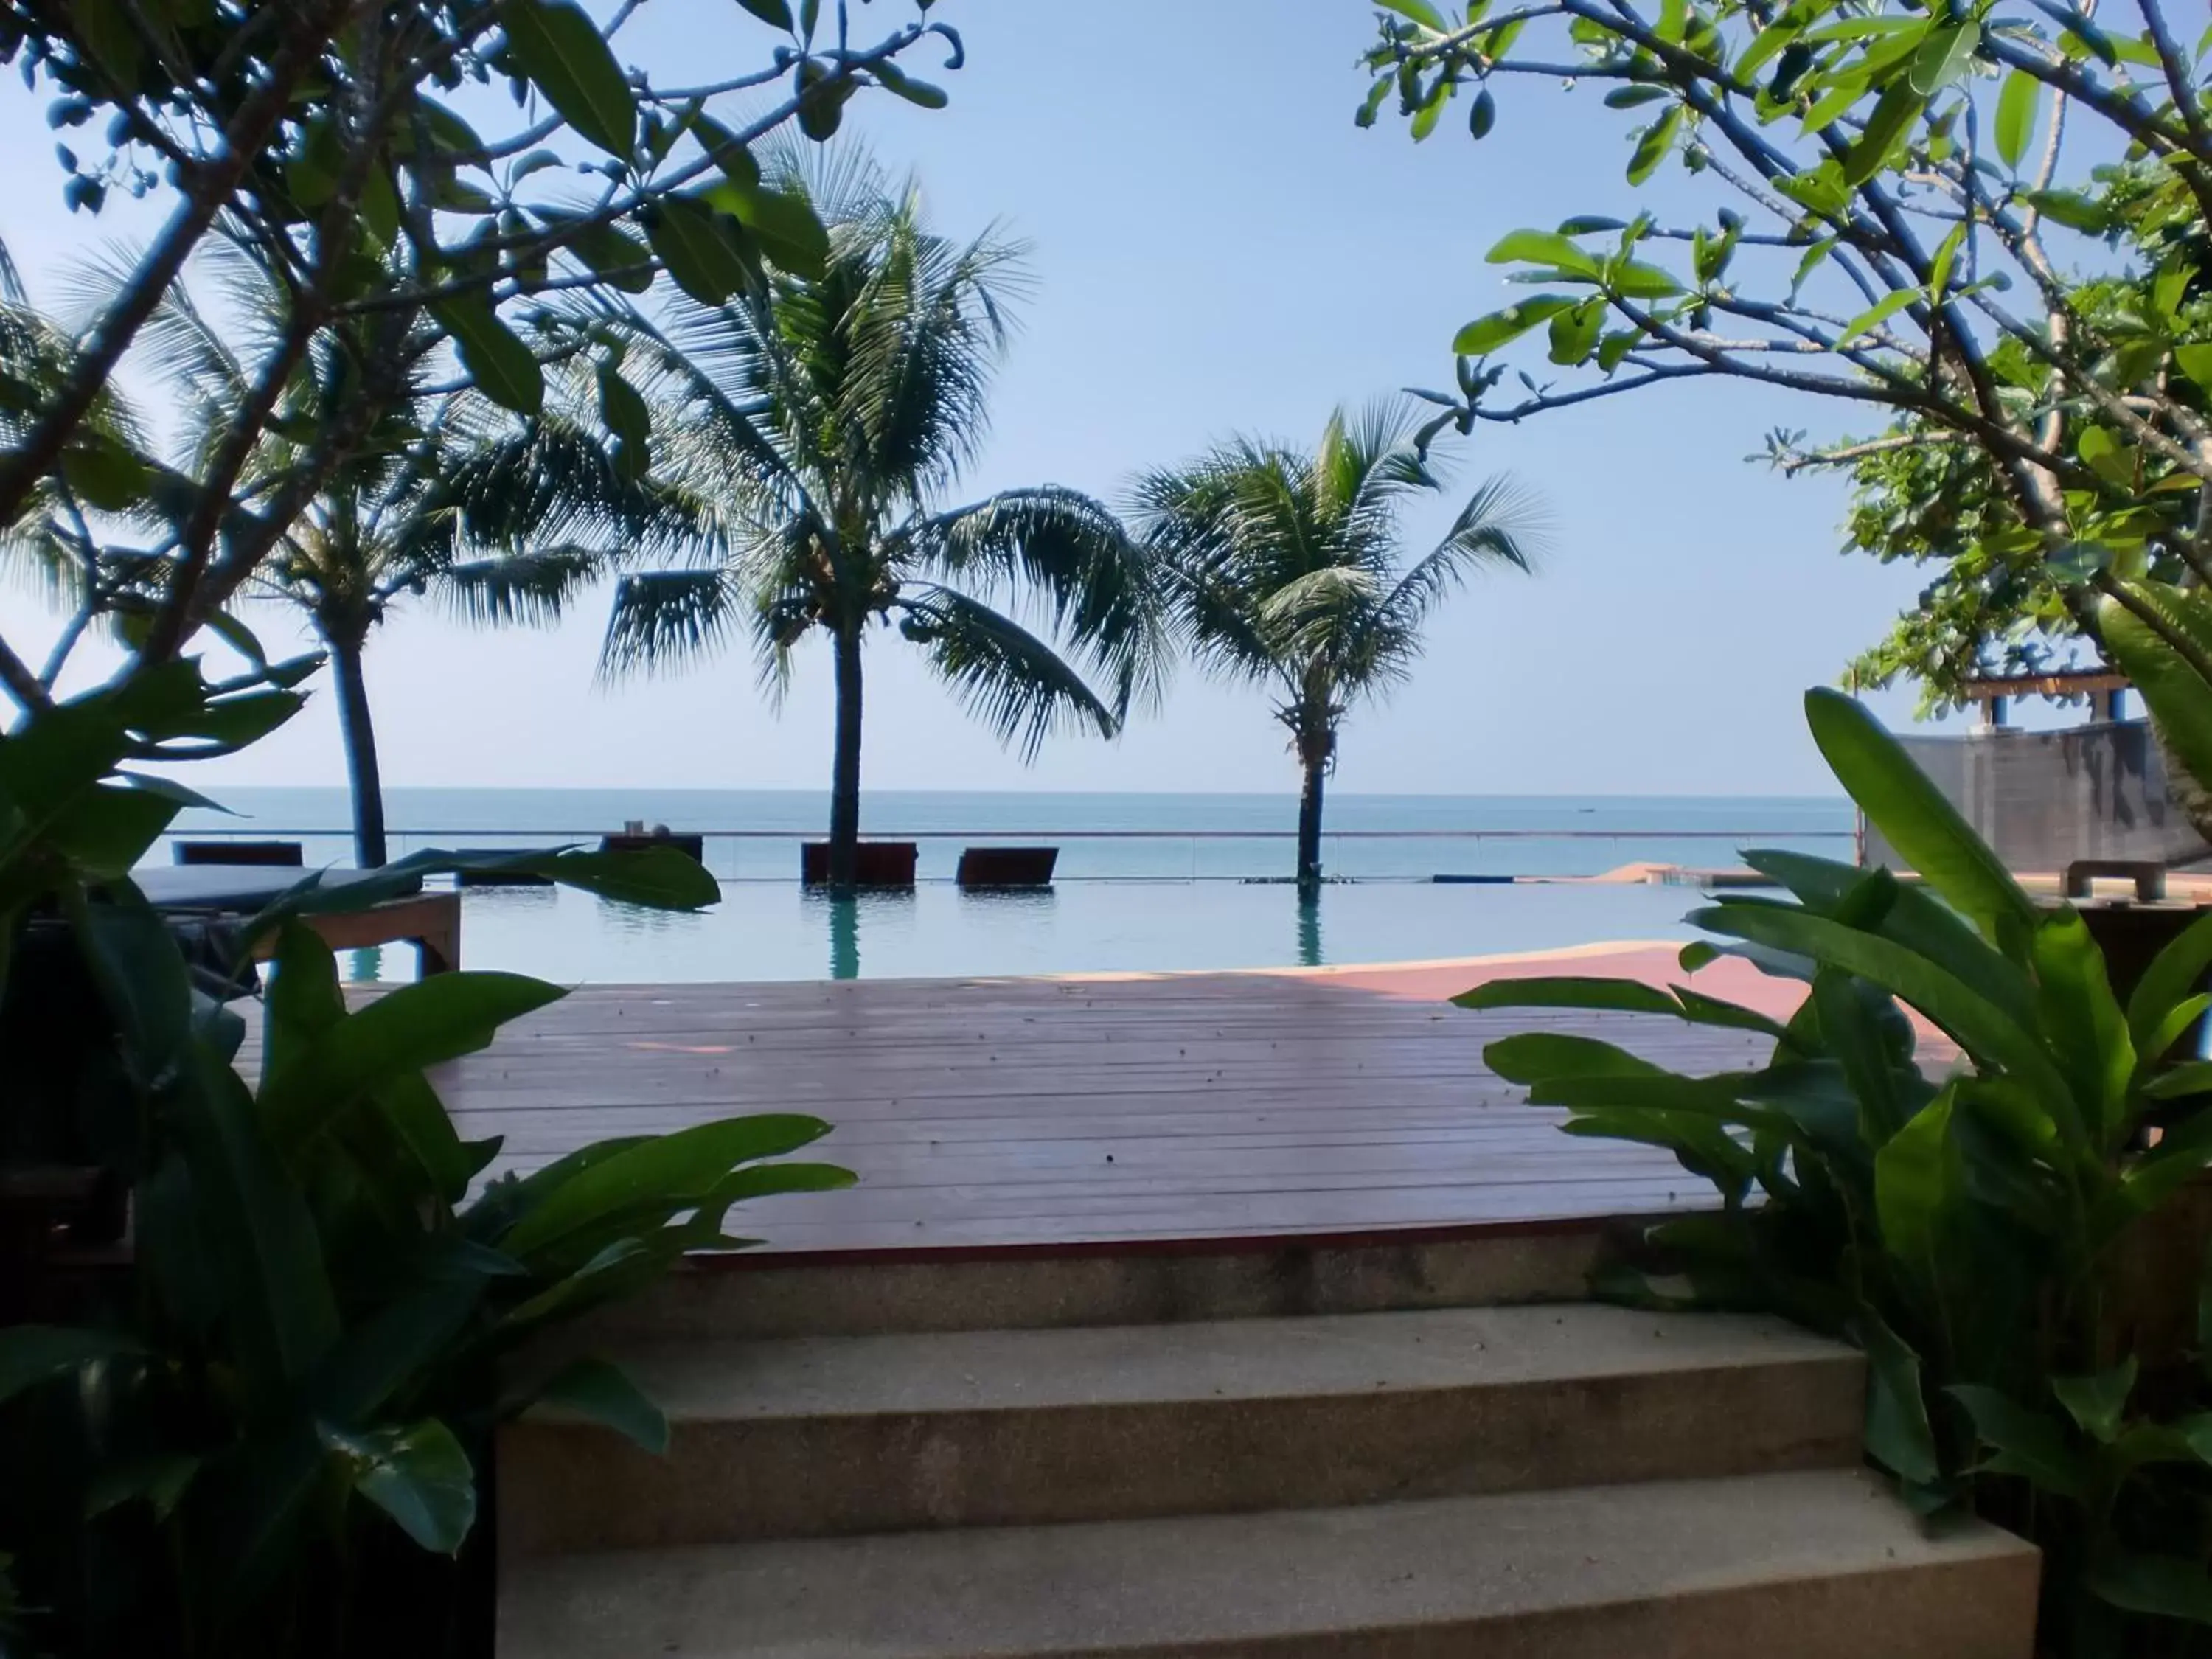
(1040,1112)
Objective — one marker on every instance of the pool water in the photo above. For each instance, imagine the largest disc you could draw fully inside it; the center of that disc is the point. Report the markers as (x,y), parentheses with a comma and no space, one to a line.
(779,931)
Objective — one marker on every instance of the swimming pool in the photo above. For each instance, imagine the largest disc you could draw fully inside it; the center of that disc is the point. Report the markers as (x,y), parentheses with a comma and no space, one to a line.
(778,931)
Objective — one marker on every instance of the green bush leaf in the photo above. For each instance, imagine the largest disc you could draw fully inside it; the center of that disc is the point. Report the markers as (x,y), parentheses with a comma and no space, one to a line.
(418,1475)
(2023,1441)
(560,49)
(1876,315)
(2164,1586)
(676,1170)
(603,1393)
(776,14)
(33,1354)
(1912,814)
(1542,1057)
(614,256)
(2176,973)
(2081,1020)
(1898,1435)
(2098,1403)
(1917,1176)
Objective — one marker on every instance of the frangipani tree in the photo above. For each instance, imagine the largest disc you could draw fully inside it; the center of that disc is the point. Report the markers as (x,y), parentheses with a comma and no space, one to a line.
(1981,227)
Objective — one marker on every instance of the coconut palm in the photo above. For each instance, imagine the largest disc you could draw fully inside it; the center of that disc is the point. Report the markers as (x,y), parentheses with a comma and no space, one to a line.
(824,423)
(496,519)
(1285,571)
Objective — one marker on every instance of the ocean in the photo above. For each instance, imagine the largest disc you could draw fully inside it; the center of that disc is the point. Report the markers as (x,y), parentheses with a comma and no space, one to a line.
(1156,882)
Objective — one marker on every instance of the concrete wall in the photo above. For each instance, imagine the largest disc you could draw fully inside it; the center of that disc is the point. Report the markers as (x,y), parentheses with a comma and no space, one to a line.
(2045,798)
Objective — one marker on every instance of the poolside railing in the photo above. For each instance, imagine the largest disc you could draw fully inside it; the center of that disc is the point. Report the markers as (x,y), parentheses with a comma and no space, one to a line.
(1154,855)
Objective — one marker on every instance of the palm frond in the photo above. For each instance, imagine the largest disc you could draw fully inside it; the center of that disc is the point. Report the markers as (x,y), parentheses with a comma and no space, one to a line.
(661,618)
(1059,555)
(532,587)
(1004,675)
(1501,524)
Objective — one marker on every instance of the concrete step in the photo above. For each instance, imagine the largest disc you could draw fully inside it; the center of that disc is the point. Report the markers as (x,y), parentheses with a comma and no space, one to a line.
(766,1294)
(814,1437)
(1820,1564)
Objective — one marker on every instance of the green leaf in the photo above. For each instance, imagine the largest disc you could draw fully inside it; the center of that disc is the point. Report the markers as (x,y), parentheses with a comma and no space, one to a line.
(2177,695)
(700,248)
(785,221)
(1943,56)
(108,828)
(1892,116)
(2022,1442)
(1630,97)
(2175,974)
(2195,361)
(143,982)
(1542,1056)
(921,94)
(1485,334)
(776,14)
(1975,1024)
(622,409)
(1640,282)
(2016,111)
(1876,315)
(501,366)
(406,1030)
(33,1354)
(418,1475)
(1574,333)
(1652,145)
(1916,1179)
(2098,1403)
(1417,11)
(1898,1435)
(2164,1586)
(1543,247)
(675,1170)
(1912,814)
(614,256)
(560,49)
(261,1237)
(2083,1026)
(1938,268)
(104,473)
(604,1393)
(2071,208)
(159,1480)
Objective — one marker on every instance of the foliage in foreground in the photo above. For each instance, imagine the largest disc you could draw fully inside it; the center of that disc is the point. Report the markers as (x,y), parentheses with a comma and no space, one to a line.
(1972,1233)
(1978,229)
(268,1435)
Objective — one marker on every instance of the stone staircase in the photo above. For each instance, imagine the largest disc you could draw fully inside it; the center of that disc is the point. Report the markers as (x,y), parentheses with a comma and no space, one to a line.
(1396,1452)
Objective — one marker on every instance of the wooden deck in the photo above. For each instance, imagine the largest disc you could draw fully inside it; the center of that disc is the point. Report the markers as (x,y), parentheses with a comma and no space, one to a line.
(1014,1113)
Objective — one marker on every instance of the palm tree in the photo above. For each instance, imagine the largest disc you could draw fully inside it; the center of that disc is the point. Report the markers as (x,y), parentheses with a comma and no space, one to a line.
(499,520)
(821,422)
(1285,569)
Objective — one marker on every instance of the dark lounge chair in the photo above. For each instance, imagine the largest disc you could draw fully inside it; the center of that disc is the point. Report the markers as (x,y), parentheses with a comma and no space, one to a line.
(283,854)
(1007,867)
(879,864)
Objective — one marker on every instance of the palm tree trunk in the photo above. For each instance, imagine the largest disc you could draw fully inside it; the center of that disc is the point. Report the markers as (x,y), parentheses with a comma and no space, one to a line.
(845,770)
(362,774)
(1316,769)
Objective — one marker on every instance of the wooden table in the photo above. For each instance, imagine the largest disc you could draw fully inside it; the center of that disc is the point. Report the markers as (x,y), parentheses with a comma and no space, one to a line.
(431,922)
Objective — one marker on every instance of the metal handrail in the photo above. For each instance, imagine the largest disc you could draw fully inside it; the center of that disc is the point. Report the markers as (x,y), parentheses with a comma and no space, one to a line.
(258,833)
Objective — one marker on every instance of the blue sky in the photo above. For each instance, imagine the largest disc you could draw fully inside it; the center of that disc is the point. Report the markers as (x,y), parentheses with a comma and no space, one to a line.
(1217,248)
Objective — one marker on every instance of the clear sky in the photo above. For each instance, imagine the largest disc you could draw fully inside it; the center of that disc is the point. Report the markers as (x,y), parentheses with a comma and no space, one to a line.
(1218,249)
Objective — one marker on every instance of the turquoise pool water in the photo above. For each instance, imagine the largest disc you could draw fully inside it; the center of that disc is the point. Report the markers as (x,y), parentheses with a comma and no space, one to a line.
(777,931)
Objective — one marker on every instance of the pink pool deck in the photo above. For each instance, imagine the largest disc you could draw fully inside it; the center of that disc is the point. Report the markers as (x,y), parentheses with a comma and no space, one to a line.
(998,1114)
